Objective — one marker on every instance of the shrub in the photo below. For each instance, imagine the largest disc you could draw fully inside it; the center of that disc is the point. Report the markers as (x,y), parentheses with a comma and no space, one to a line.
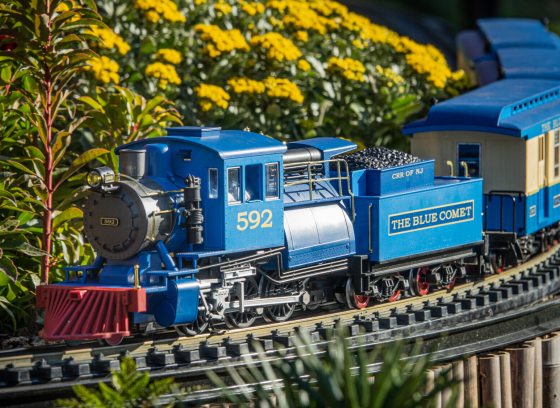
(339,377)
(289,68)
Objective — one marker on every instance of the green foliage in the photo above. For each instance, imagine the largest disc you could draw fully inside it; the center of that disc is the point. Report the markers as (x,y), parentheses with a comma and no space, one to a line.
(117,115)
(129,388)
(345,76)
(50,50)
(338,378)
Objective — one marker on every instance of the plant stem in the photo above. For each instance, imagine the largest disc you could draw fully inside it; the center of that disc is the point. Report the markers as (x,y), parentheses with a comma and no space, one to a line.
(47,115)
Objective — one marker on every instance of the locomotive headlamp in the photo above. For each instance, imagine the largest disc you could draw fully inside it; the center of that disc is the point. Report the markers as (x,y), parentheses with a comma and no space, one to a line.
(100,176)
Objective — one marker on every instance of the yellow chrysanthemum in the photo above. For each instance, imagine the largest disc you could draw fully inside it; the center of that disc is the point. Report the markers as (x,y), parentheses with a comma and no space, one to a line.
(169,55)
(107,38)
(221,41)
(251,8)
(164,73)
(303,65)
(283,88)
(300,15)
(104,69)
(199,2)
(212,95)
(390,76)
(277,46)
(349,68)
(246,85)
(163,8)
(302,35)
(223,8)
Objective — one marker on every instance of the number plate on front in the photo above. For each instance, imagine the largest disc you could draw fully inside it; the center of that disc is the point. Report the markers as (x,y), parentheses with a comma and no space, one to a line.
(110,222)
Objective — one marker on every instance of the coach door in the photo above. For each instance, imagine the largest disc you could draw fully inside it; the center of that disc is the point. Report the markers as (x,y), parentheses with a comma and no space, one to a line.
(542,200)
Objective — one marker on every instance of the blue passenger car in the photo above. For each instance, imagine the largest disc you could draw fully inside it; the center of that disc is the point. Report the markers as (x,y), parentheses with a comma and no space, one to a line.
(508,48)
(507,132)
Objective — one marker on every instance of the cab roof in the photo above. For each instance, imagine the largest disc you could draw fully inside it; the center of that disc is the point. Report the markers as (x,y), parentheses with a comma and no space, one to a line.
(517,107)
(225,143)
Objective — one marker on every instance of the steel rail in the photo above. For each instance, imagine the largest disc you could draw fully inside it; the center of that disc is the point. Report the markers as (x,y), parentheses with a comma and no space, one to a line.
(500,300)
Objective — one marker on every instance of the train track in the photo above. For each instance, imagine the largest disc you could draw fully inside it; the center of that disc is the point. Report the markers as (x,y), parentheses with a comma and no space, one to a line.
(503,309)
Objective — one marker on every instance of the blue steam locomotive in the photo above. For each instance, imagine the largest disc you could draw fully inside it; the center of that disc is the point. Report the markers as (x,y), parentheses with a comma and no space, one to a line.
(208,225)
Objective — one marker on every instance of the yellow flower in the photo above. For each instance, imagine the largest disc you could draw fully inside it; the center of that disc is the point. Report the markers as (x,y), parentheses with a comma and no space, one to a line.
(359,44)
(458,75)
(302,36)
(246,85)
(62,7)
(251,8)
(199,2)
(104,69)
(301,15)
(163,8)
(221,41)
(303,65)
(212,95)
(152,16)
(107,38)
(283,88)
(349,68)
(169,55)
(390,76)
(278,47)
(164,73)
(223,8)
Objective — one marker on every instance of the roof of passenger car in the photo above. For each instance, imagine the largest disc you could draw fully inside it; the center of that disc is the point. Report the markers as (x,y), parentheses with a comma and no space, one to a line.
(516,32)
(226,143)
(515,107)
(530,63)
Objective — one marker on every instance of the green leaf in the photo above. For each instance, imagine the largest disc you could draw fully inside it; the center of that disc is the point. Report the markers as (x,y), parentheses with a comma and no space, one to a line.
(81,161)
(67,215)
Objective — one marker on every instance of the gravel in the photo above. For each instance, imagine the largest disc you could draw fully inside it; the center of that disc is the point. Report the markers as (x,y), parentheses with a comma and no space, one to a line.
(378,158)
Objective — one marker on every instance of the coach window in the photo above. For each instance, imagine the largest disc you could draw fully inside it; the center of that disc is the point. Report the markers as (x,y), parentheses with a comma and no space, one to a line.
(253,182)
(468,153)
(557,153)
(234,185)
(272,186)
(212,183)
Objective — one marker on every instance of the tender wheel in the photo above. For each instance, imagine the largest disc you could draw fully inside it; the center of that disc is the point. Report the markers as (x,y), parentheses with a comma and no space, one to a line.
(278,313)
(418,280)
(388,289)
(197,327)
(247,318)
(355,301)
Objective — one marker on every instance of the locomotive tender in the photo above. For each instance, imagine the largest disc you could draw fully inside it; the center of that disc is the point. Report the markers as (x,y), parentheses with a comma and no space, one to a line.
(208,225)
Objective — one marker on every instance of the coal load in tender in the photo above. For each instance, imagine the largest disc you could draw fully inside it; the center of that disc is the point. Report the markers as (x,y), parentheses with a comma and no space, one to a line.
(378,158)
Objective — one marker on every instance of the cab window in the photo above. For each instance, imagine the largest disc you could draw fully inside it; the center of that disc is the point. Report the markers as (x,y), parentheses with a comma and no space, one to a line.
(253,182)
(234,185)
(212,183)
(272,186)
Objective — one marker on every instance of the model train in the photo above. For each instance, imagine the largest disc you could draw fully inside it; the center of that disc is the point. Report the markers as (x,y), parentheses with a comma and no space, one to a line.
(208,225)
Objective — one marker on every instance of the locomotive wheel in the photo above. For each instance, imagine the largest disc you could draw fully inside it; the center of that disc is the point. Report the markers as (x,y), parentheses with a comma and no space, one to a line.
(198,326)
(247,318)
(418,279)
(277,313)
(355,301)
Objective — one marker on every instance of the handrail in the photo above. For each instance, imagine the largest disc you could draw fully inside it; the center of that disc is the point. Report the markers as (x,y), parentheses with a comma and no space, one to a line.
(311,181)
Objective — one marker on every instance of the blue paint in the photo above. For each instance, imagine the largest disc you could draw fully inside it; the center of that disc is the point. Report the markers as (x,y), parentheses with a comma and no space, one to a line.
(375,213)
(516,107)
(434,217)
